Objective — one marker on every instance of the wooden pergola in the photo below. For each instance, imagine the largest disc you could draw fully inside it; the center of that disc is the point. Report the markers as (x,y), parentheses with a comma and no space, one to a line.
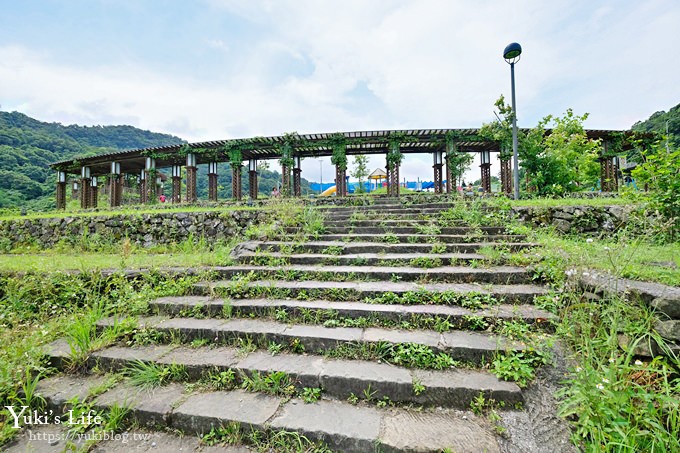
(289,149)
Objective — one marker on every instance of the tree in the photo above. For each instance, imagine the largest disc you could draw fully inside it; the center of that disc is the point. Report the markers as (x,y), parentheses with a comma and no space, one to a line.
(562,159)
(360,170)
(557,156)
(661,171)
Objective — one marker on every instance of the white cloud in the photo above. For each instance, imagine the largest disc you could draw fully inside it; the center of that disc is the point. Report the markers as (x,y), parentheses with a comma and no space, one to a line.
(323,66)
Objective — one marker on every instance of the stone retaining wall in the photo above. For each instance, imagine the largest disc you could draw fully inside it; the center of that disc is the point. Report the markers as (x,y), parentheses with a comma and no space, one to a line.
(576,219)
(142,229)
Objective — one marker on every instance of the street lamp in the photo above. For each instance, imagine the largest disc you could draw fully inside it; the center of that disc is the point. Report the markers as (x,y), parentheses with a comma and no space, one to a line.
(512,54)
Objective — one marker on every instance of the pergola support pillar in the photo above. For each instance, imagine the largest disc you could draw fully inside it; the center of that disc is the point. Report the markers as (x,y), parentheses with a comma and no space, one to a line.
(285,180)
(393,175)
(297,169)
(212,181)
(506,177)
(94,192)
(438,166)
(142,187)
(176,184)
(150,178)
(236,190)
(252,179)
(191,178)
(61,190)
(115,185)
(485,157)
(608,180)
(85,187)
(340,181)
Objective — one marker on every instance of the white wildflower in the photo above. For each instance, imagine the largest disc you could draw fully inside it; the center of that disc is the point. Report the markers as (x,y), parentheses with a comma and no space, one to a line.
(638,362)
(605,380)
(589,240)
(600,386)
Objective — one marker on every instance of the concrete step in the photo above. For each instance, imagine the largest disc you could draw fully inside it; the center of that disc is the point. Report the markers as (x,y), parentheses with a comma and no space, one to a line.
(449,274)
(387,222)
(358,259)
(342,248)
(342,426)
(469,347)
(400,207)
(474,232)
(421,238)
(457,316)
(338,378)
(352,291)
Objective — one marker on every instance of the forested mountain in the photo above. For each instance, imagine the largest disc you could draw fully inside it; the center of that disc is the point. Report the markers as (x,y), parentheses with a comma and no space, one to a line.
(658,121)
(28,146)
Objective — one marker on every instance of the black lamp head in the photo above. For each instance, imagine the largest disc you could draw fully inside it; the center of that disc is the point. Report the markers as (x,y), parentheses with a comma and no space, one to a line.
(512,52)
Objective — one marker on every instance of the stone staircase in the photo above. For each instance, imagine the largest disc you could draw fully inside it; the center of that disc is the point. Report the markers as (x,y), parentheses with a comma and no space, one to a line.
(391,315)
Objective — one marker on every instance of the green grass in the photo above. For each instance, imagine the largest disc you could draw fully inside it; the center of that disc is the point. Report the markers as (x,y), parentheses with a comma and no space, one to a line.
(625,257)
(49,262)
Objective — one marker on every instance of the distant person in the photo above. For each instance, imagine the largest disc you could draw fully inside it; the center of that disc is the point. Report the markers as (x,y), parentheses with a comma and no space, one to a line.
(162,198)
(275,192)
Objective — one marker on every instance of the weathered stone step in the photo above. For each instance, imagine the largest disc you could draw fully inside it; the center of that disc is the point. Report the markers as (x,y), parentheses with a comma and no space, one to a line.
(421,238)
(378,216)
(406,230)
(449,274)
(338,378)
(344,427)
(342,248)
(387,223)
(399,207)
(206,306)
(360,259)
(347,291)
(470,347)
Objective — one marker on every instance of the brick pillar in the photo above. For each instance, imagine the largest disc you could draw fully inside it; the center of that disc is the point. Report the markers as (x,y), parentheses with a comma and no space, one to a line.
(115,185)
(61,190)
(191,178)
(142,187)
(236,189)
(285,180)
(437,167)
(212,181)
(340,182)
(94,192)
(449,183)
(114,190)
(176,184)
(506,177)
(252,184)
(150,186)
(392,181)
(297,189)
(486,177)
(485,158)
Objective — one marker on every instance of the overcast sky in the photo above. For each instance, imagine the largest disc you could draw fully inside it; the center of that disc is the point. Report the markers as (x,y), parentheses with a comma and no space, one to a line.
(217,69)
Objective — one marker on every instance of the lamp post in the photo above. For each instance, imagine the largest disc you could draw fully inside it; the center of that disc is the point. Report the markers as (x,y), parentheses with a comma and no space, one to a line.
(511,54)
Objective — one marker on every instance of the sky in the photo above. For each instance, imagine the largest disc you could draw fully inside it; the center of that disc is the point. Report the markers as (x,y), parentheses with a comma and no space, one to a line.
(219,69)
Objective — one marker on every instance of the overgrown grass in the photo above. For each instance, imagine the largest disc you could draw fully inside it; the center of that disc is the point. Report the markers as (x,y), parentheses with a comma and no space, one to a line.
(624,256)
(615,401)
(38,309)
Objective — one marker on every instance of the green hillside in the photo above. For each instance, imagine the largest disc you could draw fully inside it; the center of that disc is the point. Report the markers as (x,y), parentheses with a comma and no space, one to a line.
(658,121)
(28,146)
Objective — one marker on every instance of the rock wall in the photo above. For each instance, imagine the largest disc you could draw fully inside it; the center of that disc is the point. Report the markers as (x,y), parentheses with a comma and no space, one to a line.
(142,229)
(576,219)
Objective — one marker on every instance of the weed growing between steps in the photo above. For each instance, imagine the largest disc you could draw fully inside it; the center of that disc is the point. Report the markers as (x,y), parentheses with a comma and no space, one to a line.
(262,441)
(36,309)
